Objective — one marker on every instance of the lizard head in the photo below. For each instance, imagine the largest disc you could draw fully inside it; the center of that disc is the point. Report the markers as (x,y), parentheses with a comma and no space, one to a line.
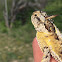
(39,18)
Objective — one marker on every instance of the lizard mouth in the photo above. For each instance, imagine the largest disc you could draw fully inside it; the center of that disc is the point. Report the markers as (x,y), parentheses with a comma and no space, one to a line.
(50,17)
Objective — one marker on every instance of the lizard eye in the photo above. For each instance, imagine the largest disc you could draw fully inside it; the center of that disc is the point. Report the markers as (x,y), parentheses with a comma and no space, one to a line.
(35,14)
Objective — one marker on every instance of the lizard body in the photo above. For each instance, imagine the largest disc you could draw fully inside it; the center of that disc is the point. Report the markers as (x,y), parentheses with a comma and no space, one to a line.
(48,36)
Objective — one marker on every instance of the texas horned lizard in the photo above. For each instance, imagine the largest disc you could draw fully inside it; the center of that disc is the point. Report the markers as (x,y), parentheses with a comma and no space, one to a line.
(48,36)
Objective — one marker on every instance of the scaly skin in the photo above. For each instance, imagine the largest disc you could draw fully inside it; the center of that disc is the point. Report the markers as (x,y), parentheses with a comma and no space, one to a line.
(48,36)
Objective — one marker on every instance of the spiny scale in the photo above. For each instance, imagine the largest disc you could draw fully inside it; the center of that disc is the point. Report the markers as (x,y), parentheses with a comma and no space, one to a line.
(48,35)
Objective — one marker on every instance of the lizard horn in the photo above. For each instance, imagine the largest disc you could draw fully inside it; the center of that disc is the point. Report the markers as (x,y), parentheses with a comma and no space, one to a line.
(50,17)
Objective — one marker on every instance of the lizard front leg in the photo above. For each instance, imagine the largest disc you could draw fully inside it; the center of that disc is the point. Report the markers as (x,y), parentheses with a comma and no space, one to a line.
(46,56)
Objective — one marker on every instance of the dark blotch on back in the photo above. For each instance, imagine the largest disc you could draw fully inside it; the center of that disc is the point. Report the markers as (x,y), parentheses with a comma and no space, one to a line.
(49,25)
(56,37)
(45,47)
(61,52)
(61,44)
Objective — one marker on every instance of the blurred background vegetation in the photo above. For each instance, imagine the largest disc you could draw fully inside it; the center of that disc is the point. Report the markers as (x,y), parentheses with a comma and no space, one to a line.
(16,30)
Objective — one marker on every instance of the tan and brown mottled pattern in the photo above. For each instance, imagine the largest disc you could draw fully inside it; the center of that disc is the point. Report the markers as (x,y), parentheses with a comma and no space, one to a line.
(48,36)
